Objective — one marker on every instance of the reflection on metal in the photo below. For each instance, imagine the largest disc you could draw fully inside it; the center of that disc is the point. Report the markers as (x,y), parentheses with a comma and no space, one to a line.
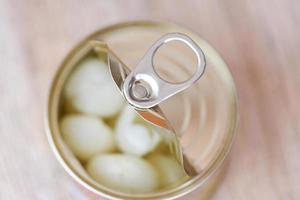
(144,90)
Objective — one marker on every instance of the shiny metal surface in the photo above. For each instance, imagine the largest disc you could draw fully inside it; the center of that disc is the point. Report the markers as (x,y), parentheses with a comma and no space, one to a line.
(120,73)
(144,88)
(207,126)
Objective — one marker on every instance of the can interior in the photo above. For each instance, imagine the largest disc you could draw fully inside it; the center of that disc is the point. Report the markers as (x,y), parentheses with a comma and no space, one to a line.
(205,114)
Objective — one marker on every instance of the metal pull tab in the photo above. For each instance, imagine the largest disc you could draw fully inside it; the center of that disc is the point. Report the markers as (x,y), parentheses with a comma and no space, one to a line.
(144,88)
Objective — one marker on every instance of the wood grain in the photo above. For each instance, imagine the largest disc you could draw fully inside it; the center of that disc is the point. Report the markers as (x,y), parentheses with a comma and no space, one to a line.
(259,40)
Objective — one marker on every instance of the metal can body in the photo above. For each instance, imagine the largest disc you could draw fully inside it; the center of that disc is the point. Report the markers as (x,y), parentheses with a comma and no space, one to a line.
(206,119)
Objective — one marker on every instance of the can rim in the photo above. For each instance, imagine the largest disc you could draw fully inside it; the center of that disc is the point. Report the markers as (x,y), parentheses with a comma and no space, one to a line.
(184,188)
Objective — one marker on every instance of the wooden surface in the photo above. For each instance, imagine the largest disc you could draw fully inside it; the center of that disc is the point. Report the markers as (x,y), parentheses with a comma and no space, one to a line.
(259,40)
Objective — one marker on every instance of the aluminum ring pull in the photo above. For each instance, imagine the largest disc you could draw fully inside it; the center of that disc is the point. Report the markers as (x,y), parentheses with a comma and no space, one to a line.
(144,88)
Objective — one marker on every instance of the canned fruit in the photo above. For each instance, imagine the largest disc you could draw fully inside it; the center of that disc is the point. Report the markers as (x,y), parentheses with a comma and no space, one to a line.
(86,135)
(133,136)
(90,89)
(109,138)
(126,173)
(169,170)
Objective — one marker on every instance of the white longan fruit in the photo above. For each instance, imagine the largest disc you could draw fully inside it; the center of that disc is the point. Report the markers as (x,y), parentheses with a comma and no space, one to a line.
(135,138)
(86,135)
(125,173)
(90,89)
(169,170)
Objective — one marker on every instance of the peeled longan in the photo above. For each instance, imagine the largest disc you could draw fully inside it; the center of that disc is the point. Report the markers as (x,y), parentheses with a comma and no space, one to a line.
(132,137)
(86,135)
(169,170)
(90,89)
(125,173)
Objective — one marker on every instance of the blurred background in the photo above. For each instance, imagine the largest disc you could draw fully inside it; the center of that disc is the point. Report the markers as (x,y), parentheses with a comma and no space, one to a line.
(259,40)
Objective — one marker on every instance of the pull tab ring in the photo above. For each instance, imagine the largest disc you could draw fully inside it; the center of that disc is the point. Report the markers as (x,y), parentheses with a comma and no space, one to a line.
(144,88)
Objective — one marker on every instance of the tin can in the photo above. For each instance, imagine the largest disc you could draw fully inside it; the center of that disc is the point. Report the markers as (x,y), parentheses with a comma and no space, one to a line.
(208,119)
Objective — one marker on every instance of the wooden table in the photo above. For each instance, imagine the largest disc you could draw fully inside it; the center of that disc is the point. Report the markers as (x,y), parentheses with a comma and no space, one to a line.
(259,40)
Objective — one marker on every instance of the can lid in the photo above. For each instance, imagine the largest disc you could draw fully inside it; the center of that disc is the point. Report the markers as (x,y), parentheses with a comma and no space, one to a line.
(144,89)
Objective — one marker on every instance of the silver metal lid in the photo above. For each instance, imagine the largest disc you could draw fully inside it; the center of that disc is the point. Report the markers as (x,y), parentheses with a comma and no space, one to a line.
(144,89)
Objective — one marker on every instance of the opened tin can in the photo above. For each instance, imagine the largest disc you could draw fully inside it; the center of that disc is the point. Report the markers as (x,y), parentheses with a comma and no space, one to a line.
(205,114)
